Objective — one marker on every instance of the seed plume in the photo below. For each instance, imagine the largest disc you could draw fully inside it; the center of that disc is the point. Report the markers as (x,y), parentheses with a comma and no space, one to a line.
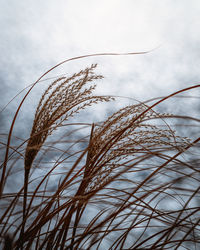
(64,98)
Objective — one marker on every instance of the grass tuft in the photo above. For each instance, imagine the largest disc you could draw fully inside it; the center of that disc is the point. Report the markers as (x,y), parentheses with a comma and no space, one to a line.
(129,182)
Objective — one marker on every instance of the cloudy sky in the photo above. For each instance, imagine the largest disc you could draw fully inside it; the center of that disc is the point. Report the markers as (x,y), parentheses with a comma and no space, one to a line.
(36,35)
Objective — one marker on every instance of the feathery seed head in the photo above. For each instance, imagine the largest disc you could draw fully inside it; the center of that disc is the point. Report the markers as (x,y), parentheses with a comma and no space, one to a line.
(62,99)
(125,134)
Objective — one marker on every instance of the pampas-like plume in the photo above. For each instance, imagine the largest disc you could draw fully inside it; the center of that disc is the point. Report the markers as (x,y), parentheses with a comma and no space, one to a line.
(123,136)
(62,99)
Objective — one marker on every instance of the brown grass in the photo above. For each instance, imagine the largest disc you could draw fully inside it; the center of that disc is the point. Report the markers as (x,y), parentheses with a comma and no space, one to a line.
(128,184)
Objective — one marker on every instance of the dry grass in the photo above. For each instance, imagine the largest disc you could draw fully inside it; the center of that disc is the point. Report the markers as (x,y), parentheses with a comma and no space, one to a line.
(125,185)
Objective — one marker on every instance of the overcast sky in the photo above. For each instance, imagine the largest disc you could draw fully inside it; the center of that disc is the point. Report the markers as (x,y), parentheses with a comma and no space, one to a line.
(35,35)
